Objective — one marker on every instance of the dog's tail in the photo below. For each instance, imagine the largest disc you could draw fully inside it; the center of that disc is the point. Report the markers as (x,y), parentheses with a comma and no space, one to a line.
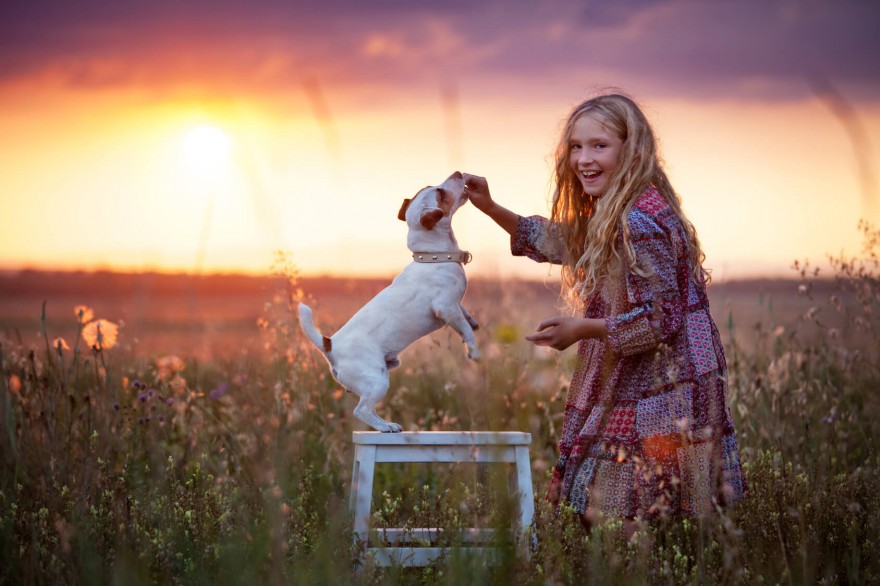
(323,343)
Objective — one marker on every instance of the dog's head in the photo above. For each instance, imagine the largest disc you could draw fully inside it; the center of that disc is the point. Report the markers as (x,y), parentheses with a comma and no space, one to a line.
(434,203)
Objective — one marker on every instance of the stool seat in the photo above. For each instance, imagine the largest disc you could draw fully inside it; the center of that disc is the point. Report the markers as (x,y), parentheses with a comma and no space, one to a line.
(510,447)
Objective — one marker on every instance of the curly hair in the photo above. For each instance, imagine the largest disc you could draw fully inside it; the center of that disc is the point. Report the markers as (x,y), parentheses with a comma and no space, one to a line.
(591,226)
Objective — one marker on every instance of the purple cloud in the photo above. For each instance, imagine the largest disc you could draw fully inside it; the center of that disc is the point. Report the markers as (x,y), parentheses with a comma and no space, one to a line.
(685,46)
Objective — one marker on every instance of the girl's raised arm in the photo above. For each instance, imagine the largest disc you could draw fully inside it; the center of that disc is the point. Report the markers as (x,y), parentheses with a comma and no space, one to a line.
(478,192)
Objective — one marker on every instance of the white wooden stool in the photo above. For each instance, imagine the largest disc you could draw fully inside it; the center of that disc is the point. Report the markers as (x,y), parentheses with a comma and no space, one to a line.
(435,446)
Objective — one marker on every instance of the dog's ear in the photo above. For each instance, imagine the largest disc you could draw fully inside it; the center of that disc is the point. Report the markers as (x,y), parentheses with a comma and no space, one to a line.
(429,218)
(401,215)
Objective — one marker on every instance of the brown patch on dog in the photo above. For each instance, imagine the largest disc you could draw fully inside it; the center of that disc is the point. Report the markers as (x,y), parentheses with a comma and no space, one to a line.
(429,218)
(401,215)
(445,201)
(328,344)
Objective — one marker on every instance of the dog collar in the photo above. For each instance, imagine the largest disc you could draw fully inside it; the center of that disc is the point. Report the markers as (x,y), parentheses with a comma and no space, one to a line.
(462,256)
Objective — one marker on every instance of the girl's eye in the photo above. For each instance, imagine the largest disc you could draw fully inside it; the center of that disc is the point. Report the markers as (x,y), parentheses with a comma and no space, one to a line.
(601,145)
(575,147)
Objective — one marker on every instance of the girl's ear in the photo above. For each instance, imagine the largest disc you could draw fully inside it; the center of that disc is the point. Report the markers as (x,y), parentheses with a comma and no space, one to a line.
(401,215)
(429,218)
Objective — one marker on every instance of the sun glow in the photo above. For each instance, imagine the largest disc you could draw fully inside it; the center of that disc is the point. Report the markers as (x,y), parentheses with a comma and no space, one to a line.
(206,148)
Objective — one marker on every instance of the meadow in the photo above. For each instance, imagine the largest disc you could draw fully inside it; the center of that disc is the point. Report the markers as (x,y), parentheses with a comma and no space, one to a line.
(204,441)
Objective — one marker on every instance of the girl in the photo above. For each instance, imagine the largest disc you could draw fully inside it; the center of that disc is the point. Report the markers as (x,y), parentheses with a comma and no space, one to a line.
(646,430)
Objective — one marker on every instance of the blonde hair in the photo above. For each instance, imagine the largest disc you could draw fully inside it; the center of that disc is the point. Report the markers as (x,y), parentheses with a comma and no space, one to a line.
(590,226)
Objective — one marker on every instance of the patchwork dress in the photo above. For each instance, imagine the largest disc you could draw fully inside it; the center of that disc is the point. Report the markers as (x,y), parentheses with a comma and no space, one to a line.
(646,430)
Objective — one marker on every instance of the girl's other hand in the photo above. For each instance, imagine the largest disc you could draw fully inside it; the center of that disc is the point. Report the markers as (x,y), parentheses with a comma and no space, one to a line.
(557,332)
(478,191)
(561,332)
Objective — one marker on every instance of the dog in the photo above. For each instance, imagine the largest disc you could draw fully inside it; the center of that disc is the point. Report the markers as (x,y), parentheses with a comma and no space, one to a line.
(423,298)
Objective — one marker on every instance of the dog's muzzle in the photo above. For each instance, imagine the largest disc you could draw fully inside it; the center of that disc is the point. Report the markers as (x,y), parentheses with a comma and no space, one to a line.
(462,256)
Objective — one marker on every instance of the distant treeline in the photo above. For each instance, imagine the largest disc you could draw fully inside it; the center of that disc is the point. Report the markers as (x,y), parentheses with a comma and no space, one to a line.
(35,282)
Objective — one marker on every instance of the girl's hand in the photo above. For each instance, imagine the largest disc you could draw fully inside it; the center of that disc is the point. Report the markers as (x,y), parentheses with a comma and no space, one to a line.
(478,191)
(561,332)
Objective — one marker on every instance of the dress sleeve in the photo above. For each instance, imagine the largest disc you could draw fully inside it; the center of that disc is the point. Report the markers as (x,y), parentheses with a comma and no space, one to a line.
(656,302)
(539,239)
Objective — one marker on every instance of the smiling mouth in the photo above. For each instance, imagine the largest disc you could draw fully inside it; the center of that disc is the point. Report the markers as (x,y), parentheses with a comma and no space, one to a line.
(591,175)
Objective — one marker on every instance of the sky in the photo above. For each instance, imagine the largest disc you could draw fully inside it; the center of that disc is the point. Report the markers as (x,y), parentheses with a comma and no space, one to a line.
(206,135)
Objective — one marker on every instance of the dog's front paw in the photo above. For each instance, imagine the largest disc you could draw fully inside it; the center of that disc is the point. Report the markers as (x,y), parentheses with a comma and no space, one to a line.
(391,427)
(473,354)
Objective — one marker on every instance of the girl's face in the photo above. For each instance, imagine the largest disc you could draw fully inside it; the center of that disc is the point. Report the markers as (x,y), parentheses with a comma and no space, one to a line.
(593,153)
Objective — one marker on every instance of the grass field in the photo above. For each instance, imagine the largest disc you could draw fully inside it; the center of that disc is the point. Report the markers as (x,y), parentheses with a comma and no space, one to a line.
(207,443)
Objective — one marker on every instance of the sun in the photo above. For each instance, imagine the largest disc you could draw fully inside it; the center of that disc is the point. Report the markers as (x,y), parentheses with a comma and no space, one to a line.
(206,148)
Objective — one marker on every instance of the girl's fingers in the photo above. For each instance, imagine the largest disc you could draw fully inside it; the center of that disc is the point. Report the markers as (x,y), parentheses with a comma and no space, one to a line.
(547,323)
(473,180)
(543,336)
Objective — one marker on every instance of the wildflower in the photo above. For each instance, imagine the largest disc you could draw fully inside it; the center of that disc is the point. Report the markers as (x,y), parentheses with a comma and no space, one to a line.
(142,397)
(178,384)
(169,366)
(138,385)
(219,391)
(60,344)
(14,384)
(100,334)
(84,314)
(507,334)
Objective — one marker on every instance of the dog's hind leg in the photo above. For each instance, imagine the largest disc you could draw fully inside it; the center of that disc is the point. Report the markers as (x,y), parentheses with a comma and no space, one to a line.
(454,316)
(371,388)
(366,412)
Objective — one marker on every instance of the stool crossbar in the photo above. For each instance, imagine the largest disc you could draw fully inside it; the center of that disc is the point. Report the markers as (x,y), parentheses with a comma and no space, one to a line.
(372,447)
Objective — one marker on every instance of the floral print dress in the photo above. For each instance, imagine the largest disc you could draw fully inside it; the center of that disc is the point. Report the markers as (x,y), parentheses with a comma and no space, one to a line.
(646,430)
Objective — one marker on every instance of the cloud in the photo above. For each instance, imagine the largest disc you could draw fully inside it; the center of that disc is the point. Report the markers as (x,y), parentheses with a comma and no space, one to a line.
(683,46)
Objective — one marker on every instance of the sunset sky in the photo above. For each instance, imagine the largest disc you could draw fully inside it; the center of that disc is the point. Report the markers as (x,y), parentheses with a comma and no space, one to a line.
(203,135)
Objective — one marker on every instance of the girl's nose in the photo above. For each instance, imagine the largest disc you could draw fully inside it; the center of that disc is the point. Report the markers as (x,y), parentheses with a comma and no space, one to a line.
(585,157)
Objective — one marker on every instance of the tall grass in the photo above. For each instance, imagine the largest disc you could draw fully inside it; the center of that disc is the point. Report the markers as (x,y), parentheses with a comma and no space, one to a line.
(125,468)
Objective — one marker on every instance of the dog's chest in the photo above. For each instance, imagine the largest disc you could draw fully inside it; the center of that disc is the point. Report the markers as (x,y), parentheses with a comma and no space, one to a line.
(428,281)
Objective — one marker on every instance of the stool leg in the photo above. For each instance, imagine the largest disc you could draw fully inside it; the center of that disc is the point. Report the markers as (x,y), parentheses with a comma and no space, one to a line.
(363,496)
(524,488)
(355,477)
